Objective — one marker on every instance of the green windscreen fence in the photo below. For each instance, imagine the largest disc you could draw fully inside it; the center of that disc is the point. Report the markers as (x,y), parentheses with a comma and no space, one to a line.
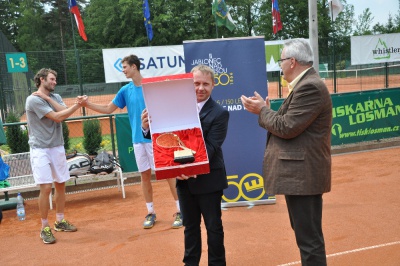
(363,116)
(125,146)
(3,139)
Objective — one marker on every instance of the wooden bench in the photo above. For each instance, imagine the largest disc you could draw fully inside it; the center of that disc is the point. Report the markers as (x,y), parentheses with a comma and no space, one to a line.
(21,178)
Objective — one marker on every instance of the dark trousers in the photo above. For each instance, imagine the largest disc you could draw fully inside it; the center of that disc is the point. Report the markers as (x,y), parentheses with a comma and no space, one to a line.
(305,213)
(192,208)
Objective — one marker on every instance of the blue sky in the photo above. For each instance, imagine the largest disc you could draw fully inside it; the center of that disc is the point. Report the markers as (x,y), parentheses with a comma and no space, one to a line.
(379,8)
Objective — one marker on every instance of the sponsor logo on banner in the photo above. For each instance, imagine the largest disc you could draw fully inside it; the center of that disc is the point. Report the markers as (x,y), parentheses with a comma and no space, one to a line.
(118,65)
(222,76)
(381,50)
(367,111)
(154,61)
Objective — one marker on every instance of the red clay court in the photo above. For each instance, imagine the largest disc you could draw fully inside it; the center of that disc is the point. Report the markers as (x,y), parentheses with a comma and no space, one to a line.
(361,224)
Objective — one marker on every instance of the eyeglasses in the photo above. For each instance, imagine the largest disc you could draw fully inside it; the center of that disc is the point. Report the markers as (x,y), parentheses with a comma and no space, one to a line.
(281,60)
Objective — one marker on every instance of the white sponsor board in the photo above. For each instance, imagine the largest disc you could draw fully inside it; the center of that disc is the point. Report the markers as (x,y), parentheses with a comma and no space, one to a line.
(372,49)
(155,61)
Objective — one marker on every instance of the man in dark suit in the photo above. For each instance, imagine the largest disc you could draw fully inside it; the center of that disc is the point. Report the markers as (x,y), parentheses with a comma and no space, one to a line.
(201,195)
(297,161)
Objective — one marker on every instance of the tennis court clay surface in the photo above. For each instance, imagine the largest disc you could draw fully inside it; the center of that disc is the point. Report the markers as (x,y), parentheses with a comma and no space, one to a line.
(361,224)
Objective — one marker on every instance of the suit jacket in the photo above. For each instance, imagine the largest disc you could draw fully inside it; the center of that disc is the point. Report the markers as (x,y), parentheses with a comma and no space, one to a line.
(214,123)
(297,159)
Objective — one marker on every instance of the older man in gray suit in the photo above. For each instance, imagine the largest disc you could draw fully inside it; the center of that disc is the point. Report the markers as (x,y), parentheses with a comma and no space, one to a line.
(297,160)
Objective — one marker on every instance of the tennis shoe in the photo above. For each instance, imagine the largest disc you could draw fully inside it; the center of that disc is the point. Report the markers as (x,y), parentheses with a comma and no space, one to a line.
(65,226)
(47,236)
(178,221)
(149,221)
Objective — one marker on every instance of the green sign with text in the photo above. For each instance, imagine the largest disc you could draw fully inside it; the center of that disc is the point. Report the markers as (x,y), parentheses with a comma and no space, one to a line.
(16,62)
(124,141)
(362,116)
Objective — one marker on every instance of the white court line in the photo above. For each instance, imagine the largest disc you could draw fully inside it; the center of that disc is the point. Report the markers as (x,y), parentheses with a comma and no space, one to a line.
(348,252)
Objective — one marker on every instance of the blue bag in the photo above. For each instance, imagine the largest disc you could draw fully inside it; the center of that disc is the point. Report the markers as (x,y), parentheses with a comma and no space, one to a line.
(4,170)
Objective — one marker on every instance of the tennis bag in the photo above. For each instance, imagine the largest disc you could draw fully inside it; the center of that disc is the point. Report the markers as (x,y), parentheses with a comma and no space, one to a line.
(103,162)
(78,163)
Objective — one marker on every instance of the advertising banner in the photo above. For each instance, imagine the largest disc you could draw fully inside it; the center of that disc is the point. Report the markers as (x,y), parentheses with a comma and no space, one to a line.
(155,61)
(168,60)
(372,49)
(365,116)
(362,116)
(239,65)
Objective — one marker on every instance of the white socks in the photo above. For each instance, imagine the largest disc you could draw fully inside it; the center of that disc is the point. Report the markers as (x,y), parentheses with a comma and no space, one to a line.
(59,217)
(150,208)
(45,223)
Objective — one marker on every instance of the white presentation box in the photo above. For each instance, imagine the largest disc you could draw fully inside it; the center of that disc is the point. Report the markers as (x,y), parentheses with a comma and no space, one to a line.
(175,127)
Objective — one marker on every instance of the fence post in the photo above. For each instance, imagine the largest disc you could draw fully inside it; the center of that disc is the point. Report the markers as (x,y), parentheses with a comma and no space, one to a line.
(386,75)
(112,135)
(2,102)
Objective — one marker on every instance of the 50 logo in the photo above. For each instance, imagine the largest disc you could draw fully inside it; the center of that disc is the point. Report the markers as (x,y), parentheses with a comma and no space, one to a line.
(249,187)
(223,79)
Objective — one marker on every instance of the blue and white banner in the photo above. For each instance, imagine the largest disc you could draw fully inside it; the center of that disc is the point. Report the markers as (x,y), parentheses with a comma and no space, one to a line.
(155,61)
(168,60)
(239,64)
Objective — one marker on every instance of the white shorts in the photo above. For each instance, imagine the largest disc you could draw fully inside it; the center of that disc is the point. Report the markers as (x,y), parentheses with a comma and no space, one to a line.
(49,165)
(144,156)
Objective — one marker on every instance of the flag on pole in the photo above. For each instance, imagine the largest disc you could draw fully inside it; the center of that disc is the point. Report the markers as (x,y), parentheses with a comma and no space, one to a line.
(73,8)
(335,7)
(147,23)
(276,17)
(222,16)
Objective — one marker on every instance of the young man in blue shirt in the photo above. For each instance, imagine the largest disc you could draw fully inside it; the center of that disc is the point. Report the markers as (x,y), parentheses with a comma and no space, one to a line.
(131,96)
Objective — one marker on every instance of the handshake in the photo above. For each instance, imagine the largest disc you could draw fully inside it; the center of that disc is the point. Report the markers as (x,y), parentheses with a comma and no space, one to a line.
(82,100)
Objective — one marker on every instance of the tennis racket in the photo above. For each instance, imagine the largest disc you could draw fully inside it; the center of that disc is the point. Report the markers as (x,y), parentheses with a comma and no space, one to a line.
(171,140)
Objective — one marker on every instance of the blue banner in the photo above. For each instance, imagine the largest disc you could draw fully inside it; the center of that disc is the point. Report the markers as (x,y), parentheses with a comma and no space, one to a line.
(239,65)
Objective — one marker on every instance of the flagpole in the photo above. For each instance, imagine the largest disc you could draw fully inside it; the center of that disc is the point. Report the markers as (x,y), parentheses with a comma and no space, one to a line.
(216,26)
(333,50)
(78,64)
(313,31)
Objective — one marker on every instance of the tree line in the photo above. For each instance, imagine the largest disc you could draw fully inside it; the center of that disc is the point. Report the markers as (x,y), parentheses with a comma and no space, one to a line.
(47,25)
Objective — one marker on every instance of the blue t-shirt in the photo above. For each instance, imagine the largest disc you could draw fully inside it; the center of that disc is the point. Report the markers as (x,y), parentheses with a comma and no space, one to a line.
(132,97)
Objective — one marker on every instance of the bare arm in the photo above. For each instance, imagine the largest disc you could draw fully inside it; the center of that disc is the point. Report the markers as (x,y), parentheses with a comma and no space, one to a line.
(60,116)
(58,107)
(101,108)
